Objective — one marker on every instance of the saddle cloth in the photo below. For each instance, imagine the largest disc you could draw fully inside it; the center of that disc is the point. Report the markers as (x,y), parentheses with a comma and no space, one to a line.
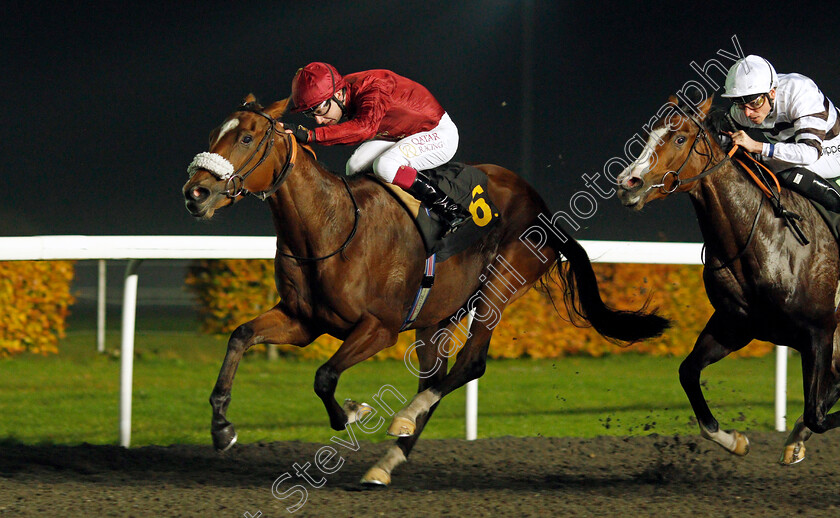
(467,186)
(832,219)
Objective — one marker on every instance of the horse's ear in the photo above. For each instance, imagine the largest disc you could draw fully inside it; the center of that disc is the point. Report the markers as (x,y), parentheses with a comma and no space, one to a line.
(706,105)
(278,109)
(674,100)
(249,99)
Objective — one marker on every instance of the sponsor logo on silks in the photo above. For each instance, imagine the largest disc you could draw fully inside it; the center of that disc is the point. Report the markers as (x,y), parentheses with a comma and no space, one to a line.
(420,144)
(828,150)
(480,209)
(409,150)
(424,139)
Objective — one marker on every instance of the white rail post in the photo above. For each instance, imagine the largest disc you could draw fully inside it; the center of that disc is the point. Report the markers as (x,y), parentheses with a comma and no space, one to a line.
(100,308)
(127,349)
(471,423)
(781,388)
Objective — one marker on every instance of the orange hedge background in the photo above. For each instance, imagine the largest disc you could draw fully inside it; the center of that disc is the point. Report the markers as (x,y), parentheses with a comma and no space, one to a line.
(34,297)
(234,291)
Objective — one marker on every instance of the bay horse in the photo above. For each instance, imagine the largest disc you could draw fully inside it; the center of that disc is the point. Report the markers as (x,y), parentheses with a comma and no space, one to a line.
(761,280)
(350,260)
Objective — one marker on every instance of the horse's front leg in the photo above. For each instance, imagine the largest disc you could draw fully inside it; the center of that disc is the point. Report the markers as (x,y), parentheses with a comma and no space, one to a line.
(275,327)
(720,337)
(365,340)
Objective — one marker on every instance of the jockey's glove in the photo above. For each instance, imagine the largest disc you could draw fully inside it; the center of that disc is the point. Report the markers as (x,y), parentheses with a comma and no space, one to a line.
(301,133)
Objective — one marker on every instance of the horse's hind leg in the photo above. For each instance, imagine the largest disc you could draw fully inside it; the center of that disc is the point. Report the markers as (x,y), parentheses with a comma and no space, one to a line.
(273,326)
(432,369)
(469,365)
(794,450)
(720,337)
(821,393)
(365,340)
(488,304)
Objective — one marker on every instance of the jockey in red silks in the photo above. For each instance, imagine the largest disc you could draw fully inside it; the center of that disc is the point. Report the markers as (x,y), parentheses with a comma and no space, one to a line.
(400,126)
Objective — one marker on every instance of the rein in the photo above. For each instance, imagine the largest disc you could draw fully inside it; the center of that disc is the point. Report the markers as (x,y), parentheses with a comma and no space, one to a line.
(221,168)
(270,132)
(356,214)
(706,172)
(284,173)
(789,217)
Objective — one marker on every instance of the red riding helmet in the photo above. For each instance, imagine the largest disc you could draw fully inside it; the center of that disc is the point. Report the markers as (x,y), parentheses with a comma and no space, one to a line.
(314,84)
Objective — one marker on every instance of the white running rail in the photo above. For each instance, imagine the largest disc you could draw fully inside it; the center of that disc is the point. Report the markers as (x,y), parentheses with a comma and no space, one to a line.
(135,249)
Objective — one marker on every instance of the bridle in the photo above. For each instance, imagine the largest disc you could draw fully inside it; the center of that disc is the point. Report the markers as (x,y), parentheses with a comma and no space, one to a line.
(233,191)
(704,173)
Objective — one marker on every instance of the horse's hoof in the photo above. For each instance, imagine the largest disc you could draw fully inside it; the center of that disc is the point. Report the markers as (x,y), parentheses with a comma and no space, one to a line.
(401,427)
(792,454)
(355,411)
(376,477)
(742,444)
(224,438)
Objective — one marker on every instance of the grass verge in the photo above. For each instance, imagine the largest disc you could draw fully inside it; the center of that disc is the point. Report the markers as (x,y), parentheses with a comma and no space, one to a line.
(74,397)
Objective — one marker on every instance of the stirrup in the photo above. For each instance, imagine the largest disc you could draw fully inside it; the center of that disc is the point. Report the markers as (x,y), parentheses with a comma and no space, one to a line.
(454,225)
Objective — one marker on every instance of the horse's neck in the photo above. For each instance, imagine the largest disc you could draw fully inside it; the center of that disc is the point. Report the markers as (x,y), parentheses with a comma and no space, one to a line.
(725,203)
(308,208)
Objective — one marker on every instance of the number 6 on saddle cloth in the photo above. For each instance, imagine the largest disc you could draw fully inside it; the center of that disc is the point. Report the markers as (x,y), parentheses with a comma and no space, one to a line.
(467,186)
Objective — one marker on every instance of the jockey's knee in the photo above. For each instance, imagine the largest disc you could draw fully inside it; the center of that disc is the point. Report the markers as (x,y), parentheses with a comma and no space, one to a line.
(385,168)
(353,167)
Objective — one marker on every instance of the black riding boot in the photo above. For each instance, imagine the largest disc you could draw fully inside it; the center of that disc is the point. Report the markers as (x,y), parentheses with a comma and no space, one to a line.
(430,194)
(809,184)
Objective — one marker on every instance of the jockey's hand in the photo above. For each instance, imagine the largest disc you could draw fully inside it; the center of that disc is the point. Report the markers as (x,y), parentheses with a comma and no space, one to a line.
(300,132)
(740,138)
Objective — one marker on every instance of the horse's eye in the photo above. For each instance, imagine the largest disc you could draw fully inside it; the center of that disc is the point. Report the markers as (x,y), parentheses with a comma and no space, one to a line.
(680,140)
(246,139)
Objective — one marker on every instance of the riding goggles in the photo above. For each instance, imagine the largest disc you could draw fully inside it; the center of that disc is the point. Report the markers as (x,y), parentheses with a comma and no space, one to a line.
(319,110)
(752,102)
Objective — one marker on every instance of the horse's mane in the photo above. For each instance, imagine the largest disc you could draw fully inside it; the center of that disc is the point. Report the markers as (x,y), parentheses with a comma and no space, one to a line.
(716,122)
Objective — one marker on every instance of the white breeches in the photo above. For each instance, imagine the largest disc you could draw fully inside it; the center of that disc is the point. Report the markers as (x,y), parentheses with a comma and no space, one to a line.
(421,151)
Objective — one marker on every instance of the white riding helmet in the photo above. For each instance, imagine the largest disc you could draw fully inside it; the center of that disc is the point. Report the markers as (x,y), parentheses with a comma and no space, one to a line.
(749,77)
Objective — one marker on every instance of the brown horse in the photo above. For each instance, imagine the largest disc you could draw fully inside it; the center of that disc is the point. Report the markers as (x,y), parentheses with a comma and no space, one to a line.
(762,282)
(350,260)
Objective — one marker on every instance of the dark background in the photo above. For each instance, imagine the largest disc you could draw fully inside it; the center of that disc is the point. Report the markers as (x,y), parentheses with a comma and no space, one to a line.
(105,104)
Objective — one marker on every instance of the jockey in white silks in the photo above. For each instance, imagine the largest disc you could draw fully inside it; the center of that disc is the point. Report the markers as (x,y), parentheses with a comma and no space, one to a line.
(801,124)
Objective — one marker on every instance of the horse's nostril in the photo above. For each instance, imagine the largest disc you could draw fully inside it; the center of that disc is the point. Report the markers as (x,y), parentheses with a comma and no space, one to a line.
(633,182)
(197,193)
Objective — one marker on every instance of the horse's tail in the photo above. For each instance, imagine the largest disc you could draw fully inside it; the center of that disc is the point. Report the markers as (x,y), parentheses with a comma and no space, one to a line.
(582,297)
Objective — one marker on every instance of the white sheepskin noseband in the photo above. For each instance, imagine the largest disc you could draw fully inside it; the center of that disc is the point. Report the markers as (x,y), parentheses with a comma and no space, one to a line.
(216,164)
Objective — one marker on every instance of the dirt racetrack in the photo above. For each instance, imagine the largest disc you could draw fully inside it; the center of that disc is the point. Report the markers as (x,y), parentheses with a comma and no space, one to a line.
(606,476)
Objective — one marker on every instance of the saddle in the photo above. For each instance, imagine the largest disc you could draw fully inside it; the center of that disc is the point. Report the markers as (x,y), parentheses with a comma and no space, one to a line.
(832,219)
(465,185)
